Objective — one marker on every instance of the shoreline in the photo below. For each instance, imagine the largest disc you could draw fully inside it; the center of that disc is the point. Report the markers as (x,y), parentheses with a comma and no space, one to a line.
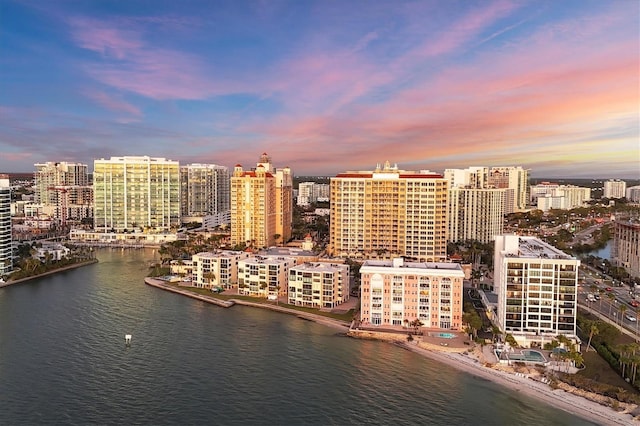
(557,398)
(51,272)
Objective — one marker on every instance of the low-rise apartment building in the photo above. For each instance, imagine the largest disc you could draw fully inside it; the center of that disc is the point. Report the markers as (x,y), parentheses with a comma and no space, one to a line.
(264,276)
(216,269)
(318,285)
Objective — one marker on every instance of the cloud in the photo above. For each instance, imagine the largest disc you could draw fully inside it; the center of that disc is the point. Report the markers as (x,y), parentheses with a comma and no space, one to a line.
(113,103)
(131,64)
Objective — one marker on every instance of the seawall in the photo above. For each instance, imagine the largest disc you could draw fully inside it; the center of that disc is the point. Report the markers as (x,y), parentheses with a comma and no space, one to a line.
(53,271)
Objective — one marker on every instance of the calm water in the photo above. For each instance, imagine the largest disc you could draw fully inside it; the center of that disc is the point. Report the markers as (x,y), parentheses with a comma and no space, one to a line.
(63,361)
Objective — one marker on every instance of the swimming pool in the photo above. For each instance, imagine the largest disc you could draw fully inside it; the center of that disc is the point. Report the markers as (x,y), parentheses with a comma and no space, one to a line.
(446,335)
(527,355)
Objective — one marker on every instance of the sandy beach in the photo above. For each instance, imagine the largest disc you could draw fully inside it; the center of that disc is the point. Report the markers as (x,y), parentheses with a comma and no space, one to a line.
(558,398)
(574,404)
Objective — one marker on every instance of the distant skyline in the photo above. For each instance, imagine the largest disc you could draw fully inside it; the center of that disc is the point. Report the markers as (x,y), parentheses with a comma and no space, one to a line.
(324,86)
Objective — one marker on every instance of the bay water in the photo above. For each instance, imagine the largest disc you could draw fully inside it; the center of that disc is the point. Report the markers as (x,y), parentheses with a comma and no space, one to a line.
(63,360)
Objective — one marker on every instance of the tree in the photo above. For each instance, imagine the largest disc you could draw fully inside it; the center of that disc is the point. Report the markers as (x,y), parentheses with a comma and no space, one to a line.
(593,331)
(611,297)
(276,237)
(622,309)
(209,276)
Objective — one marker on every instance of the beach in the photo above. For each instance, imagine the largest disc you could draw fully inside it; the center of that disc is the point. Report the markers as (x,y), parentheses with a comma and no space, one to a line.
(466,361)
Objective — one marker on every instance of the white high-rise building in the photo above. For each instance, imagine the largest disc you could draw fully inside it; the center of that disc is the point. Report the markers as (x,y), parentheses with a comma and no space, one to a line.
(633,194)
(537,287)
(614,188)
(132,193)
(626,246)
(312,192)
(6,255)
(517,180)
(472,177)
(548,196)
(476,213)
(205,191)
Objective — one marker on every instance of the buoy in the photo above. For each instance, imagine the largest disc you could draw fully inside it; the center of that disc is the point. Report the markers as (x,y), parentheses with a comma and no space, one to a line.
(127,339)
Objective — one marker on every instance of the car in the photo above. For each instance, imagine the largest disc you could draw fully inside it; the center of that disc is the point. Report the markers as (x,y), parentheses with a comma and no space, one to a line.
(609,289)
(597,296)
(634,303)
(630,317)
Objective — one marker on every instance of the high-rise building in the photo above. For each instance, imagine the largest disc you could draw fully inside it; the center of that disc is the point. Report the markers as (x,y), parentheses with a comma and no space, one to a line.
(136,192)
(397,293)
(516,179)
(626,246)
(63,190)
(476,213)
(476,210)
(6,255)
(284,197)
(633,194)
(537,287)
(614,188)
(389,212)
(261,205)
(318,285)
(205,190)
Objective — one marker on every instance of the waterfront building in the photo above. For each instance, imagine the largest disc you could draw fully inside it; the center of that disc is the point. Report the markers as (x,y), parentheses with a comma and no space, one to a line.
(205,192)
(476,213)
(63,190)
(626,246)
(614,188)
(548,196)
(396,293)
(537,288)
(264,276)
(318,285)
(633,194)
(516,179)
(6,254)
(261,205)
(389,212)
(216,269)
(134,238)
(136,193)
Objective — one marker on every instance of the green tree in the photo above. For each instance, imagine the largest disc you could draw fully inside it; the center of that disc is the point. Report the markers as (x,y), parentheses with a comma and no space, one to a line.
(593,331)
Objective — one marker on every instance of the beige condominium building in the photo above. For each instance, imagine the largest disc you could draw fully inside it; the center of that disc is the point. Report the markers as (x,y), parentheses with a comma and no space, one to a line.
(204,190)
(133,193)
(318,284)
(261,205)
(397,293)
(264,276)
(537,287)
(626,246)
(388,212)
(63,190)
(614,188)
(216,269)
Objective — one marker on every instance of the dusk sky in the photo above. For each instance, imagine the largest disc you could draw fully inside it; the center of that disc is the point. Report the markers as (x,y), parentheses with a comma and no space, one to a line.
(324,86)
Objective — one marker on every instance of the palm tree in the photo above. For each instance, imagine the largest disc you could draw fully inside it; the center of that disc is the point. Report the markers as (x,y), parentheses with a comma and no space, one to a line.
(611,297)
(593,331)
(622,309)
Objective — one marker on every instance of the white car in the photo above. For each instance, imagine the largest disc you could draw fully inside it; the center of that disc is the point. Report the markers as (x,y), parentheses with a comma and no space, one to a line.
(630,318)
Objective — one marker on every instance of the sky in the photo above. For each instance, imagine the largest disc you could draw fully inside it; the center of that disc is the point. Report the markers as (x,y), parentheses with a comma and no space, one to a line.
(324,86)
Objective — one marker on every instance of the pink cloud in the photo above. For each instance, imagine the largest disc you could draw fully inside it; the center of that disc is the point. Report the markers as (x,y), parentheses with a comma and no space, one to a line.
(133,65)
(113,103)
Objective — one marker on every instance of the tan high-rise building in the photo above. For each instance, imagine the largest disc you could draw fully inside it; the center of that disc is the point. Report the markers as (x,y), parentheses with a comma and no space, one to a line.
(284,198)
(626,246)
(476,213)
(63,190)
(387,212)
(261,205)
(253,207)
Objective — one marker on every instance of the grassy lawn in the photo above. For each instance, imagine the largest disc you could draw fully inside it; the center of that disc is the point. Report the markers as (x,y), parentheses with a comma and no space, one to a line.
(206,292)
(599,370)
